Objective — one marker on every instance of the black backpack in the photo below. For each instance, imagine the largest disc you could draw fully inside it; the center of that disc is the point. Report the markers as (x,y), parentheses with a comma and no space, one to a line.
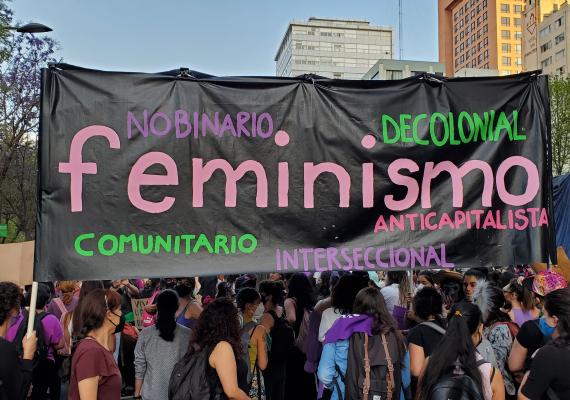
(282,339)
(42,348)
(457,387)
(384,379)
(193,379)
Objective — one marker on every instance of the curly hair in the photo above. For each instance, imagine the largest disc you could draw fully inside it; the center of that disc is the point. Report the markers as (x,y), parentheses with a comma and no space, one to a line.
(10,297)
(219,322)
(67,290)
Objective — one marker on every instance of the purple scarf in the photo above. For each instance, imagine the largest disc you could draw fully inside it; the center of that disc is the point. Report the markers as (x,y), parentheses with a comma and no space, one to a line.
(346,325)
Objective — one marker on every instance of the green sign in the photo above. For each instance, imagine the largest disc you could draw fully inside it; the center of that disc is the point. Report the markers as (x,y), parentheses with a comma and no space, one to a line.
(4,230)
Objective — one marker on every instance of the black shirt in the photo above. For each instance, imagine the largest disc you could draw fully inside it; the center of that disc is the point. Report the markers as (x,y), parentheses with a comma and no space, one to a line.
(531,338)
(549,369)
(15,374)
(426,337)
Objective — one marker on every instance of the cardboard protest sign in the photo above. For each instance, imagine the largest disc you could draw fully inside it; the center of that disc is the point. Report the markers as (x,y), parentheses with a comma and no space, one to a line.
(138,309)
(17,262)
(169,175)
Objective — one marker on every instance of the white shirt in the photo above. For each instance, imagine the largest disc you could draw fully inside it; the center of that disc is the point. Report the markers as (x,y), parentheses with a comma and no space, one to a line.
(330,315)
(391,295)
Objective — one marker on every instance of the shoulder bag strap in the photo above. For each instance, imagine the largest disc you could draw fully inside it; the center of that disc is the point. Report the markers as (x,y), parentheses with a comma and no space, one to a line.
(552,394)
(366,386)
(391,380)
(59,303)
(434,326)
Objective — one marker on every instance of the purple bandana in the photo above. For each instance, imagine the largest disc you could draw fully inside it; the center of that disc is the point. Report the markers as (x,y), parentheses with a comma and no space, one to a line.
(346,325)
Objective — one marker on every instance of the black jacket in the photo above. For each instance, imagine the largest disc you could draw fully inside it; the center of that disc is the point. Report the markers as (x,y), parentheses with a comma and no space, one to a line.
(15,374)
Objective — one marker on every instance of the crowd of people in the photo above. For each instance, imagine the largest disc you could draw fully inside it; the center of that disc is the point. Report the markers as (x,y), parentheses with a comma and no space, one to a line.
(481,335)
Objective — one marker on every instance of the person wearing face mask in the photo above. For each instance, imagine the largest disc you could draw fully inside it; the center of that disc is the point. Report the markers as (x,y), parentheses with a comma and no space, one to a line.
(425,279)
(471,278)
(189,309)
(535,333)
(15,372)
(254,347)
(94,372)
(548,375)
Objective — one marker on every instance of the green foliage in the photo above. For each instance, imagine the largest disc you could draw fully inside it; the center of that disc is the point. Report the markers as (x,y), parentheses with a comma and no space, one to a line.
(560,105)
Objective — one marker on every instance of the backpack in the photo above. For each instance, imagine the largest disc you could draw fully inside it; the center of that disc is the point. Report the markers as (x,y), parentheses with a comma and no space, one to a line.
(374,368)
(457,387)
(434,326)
(245,339)
(193,379)
(513,328)
(147,318)
(42,348)
(282,339)
(301,339)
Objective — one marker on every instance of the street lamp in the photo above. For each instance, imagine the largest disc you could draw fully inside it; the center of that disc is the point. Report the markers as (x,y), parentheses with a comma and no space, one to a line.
(32,27)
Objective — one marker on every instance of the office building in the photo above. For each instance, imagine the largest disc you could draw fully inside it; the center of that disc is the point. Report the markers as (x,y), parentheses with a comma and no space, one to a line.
(553,33)
(534,13)
(332,48)
(475,73)
(401,69)
(482,34)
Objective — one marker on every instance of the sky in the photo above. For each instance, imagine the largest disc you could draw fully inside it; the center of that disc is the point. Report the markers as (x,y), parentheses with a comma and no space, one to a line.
(218,37)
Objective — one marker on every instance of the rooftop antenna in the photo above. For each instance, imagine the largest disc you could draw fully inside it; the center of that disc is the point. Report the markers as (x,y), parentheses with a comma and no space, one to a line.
(400,30)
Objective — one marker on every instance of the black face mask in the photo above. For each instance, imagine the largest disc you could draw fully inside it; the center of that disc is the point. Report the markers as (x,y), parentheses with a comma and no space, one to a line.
(121,325)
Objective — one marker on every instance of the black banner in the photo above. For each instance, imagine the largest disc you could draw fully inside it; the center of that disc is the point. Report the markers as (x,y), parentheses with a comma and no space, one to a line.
(174,174)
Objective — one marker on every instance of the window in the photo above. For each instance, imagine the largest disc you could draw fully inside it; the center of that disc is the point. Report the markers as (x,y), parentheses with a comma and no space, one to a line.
(485,28)
(546,46)
(479,46)
(559,55)
(393,74)
(485,16)
(485,3)
(518,8)
(544,31)
(456,39)
(473,50)
(506,61)
(479,34)
(546,63)
(559,39)
(559,22)
(473,63)
(467,30)
(461,35)
(518,48)
(519,62)
(505,34)
(457,51)
(312,31)
(506,48)
(337,47)
(505,8)
(473,26)
(337,75)
(518,21)
(485,42)
(480,59)
(486,54)
(456,16)
(462,47)
(518,35)
(338,34)
(560,71)
(505,21)
(479,20)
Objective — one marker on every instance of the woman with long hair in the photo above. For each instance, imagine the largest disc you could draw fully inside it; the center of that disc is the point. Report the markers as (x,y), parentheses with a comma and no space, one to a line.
(66,301)
(371,326)
(343,296)
(523,304)
(549,369)
(254,346)
(94,372)
(499,330)
(397,290)
(457,355)
(159,348)
(189,308)
(217,332)
(298,306)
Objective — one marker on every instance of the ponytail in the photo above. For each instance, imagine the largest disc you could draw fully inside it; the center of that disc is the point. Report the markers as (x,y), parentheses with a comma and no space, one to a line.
(166,305)
(455,350)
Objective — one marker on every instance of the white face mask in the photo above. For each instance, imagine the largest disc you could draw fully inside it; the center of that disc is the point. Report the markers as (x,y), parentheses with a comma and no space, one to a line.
(419,287)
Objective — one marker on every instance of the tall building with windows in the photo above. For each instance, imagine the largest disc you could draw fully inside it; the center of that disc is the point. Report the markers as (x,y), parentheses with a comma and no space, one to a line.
(553,50)
(534,14)
(334,48)
(483,34)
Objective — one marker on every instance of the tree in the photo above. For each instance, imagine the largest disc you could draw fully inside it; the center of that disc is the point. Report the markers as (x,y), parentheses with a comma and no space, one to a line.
(20,77)
(560,108)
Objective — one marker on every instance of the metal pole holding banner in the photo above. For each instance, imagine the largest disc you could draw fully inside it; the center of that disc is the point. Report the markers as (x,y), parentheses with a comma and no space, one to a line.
(32,314)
